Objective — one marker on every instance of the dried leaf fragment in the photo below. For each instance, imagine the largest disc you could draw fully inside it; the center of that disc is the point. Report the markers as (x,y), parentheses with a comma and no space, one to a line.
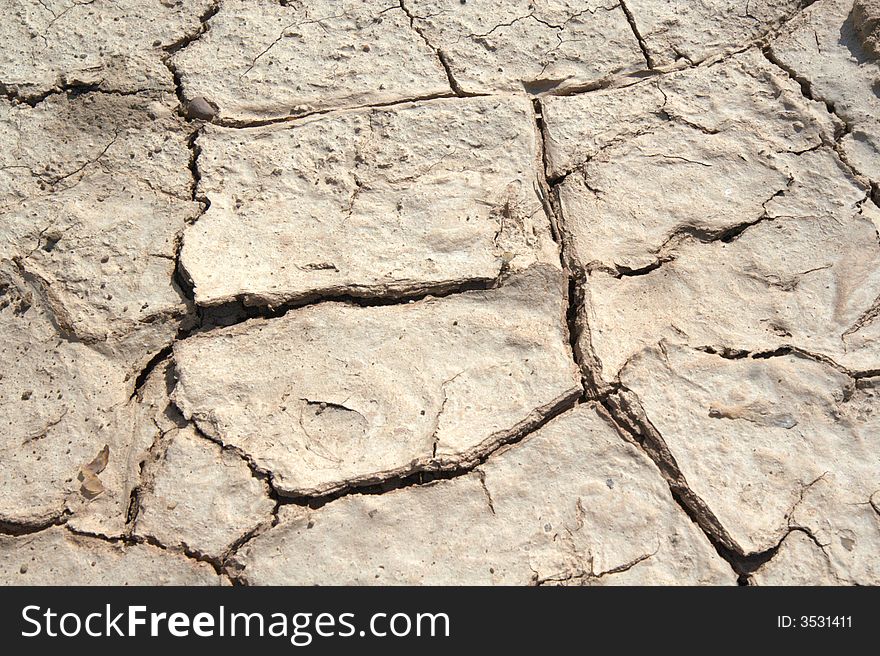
(88,475)
(91,484)
(97,465)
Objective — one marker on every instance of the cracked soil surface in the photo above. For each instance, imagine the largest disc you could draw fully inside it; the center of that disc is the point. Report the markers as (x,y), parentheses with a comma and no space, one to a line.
(440,292)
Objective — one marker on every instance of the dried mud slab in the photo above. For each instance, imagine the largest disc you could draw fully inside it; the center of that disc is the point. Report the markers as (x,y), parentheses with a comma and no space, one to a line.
(832,50)
(100,44)
(335,395)
(97,140)
(94,193)
(784,443)
(263,60)
(527,45)
(732,271)
(700,153)
(288,203)
(56,556)
(572,504)
(60,404)
(143,420)
(683,31)
(807,280)
(202,498)
(719,214)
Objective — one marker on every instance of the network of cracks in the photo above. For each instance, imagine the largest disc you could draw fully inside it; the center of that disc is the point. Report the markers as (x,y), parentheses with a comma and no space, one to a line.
(432,293)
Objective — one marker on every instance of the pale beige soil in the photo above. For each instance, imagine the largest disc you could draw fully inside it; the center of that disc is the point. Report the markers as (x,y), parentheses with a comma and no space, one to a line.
(440,292)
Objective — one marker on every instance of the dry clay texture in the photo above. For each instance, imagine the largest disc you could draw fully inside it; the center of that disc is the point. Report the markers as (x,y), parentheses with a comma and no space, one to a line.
(440,292)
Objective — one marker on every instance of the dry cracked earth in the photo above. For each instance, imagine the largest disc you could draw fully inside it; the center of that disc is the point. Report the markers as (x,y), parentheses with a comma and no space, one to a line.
(440,291)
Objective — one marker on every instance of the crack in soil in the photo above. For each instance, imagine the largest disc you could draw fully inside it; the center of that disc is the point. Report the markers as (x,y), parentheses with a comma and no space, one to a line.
(182,43)
(627,426)
(649,60)
(807,91)
(441,56)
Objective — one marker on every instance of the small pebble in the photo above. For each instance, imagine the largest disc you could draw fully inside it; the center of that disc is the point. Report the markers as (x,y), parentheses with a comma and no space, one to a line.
(201,108)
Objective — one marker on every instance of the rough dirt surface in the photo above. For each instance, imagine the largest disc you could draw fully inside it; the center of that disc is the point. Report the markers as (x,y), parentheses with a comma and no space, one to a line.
(432,291)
